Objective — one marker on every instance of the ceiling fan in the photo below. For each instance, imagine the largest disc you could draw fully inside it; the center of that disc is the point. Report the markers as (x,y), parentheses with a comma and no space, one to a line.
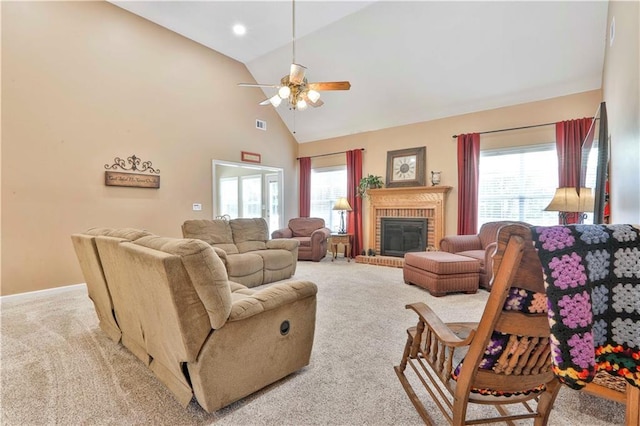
(294,87)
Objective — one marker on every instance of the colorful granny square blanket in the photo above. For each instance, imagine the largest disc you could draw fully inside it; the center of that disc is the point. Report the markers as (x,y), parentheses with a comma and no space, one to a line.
(592,280)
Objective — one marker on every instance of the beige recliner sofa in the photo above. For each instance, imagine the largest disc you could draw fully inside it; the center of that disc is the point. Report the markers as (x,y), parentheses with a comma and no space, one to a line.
(91,266)
(201,334)
(243,245)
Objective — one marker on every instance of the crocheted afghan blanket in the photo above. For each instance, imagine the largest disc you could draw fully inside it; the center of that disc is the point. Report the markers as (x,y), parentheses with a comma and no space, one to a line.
(592,280)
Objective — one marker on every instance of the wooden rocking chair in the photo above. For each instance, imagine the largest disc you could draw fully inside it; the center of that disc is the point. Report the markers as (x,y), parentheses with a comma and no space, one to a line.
(518,376)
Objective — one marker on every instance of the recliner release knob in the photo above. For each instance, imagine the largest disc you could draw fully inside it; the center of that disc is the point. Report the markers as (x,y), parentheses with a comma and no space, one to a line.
(285,327)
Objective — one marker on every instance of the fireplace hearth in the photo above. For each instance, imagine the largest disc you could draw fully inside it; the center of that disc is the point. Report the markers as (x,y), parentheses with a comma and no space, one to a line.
(399,235)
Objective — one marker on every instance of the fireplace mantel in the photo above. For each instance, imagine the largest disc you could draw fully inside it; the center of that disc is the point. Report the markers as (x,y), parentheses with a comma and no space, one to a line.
(409,202)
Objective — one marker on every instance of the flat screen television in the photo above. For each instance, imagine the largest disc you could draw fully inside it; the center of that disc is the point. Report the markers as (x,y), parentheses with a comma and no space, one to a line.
(599,132)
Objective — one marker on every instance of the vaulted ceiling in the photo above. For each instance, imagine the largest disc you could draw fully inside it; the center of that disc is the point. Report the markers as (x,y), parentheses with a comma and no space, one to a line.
(407,61)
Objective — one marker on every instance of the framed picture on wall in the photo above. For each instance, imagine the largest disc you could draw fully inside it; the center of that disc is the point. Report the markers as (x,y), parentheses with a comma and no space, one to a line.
(405,167)
(250,157)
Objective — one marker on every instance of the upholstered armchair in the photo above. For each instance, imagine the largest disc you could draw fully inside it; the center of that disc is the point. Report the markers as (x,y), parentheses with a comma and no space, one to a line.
(480,247)
(312,234)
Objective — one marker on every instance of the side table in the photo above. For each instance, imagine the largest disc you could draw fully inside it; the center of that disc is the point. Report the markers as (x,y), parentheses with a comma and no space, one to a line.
(344,239)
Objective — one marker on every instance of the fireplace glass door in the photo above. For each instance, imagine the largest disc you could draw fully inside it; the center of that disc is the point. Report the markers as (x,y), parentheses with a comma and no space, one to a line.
(401,235)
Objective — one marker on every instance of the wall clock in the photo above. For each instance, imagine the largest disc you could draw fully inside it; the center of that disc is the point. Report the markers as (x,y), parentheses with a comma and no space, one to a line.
(405,167)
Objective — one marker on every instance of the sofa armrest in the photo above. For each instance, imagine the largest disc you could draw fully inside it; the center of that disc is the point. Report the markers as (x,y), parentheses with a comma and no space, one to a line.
(458,243)
(488,258)
(221,254)
(289,244)
(282,233)
(320,234)
(271,298)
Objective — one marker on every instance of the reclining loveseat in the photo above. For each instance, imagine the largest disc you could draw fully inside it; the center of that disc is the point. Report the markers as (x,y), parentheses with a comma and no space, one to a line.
(243,245)
(172,305)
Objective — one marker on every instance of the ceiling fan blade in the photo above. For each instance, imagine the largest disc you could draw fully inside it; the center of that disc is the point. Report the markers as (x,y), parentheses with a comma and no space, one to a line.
(296,73)
(265,102)
(257,85)
(330,85)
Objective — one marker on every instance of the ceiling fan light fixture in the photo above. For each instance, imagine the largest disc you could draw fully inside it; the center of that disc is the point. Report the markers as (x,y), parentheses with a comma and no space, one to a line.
(284,92)
(313,96)
(294,87)
(296,73)
(275,100)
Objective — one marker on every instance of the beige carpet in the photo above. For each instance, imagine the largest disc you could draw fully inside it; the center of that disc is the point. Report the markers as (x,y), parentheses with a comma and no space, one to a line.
(59,368)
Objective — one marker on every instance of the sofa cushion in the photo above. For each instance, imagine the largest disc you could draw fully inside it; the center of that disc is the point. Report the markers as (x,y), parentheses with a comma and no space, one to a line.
(275,259)
(246,269)
(304,226)
(304,241)
(474,254)
(205,269)
(129,234)
(249,234)
(215,232)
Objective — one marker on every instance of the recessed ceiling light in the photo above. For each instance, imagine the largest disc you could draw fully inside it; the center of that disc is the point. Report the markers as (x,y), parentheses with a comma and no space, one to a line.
(239,29)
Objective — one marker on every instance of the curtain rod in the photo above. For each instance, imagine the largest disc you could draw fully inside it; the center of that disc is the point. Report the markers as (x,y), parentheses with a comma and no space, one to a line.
(331,153)
(513,128)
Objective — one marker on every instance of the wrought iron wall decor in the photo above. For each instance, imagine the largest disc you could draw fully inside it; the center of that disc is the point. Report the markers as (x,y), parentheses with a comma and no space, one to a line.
(135,162)
(132,164)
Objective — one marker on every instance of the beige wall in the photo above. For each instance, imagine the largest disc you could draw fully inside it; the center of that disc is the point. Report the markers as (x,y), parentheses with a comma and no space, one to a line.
(621,92)
(84,82)
(441,147)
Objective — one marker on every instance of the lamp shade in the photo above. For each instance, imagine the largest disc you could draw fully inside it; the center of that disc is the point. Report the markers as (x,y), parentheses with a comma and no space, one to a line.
(586,200)
(564,200)
(342,204)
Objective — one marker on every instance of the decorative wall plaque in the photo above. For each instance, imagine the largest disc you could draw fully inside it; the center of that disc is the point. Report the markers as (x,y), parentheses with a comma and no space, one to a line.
(132,164)
(251,157)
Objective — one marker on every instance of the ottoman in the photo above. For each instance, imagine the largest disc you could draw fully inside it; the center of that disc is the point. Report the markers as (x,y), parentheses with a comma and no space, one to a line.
(441,272)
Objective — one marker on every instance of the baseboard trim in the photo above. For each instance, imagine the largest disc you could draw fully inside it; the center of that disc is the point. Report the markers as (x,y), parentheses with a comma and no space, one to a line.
(47,291)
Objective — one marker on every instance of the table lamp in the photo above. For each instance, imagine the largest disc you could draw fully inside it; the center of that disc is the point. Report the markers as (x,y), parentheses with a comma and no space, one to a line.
(567,200)
(343,205)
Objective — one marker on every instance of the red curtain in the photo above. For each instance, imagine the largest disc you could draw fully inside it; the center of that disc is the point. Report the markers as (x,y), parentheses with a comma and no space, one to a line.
(571,139)
(468,160)
(304,208)
(354,218)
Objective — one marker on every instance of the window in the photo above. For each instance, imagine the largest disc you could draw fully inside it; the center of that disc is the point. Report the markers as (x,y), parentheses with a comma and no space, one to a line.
(327,185)
(229,196)
(251,196)
(517,184)
(273,201)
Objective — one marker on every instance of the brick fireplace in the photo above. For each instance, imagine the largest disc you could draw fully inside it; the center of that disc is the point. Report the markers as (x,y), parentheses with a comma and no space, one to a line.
(414,202)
